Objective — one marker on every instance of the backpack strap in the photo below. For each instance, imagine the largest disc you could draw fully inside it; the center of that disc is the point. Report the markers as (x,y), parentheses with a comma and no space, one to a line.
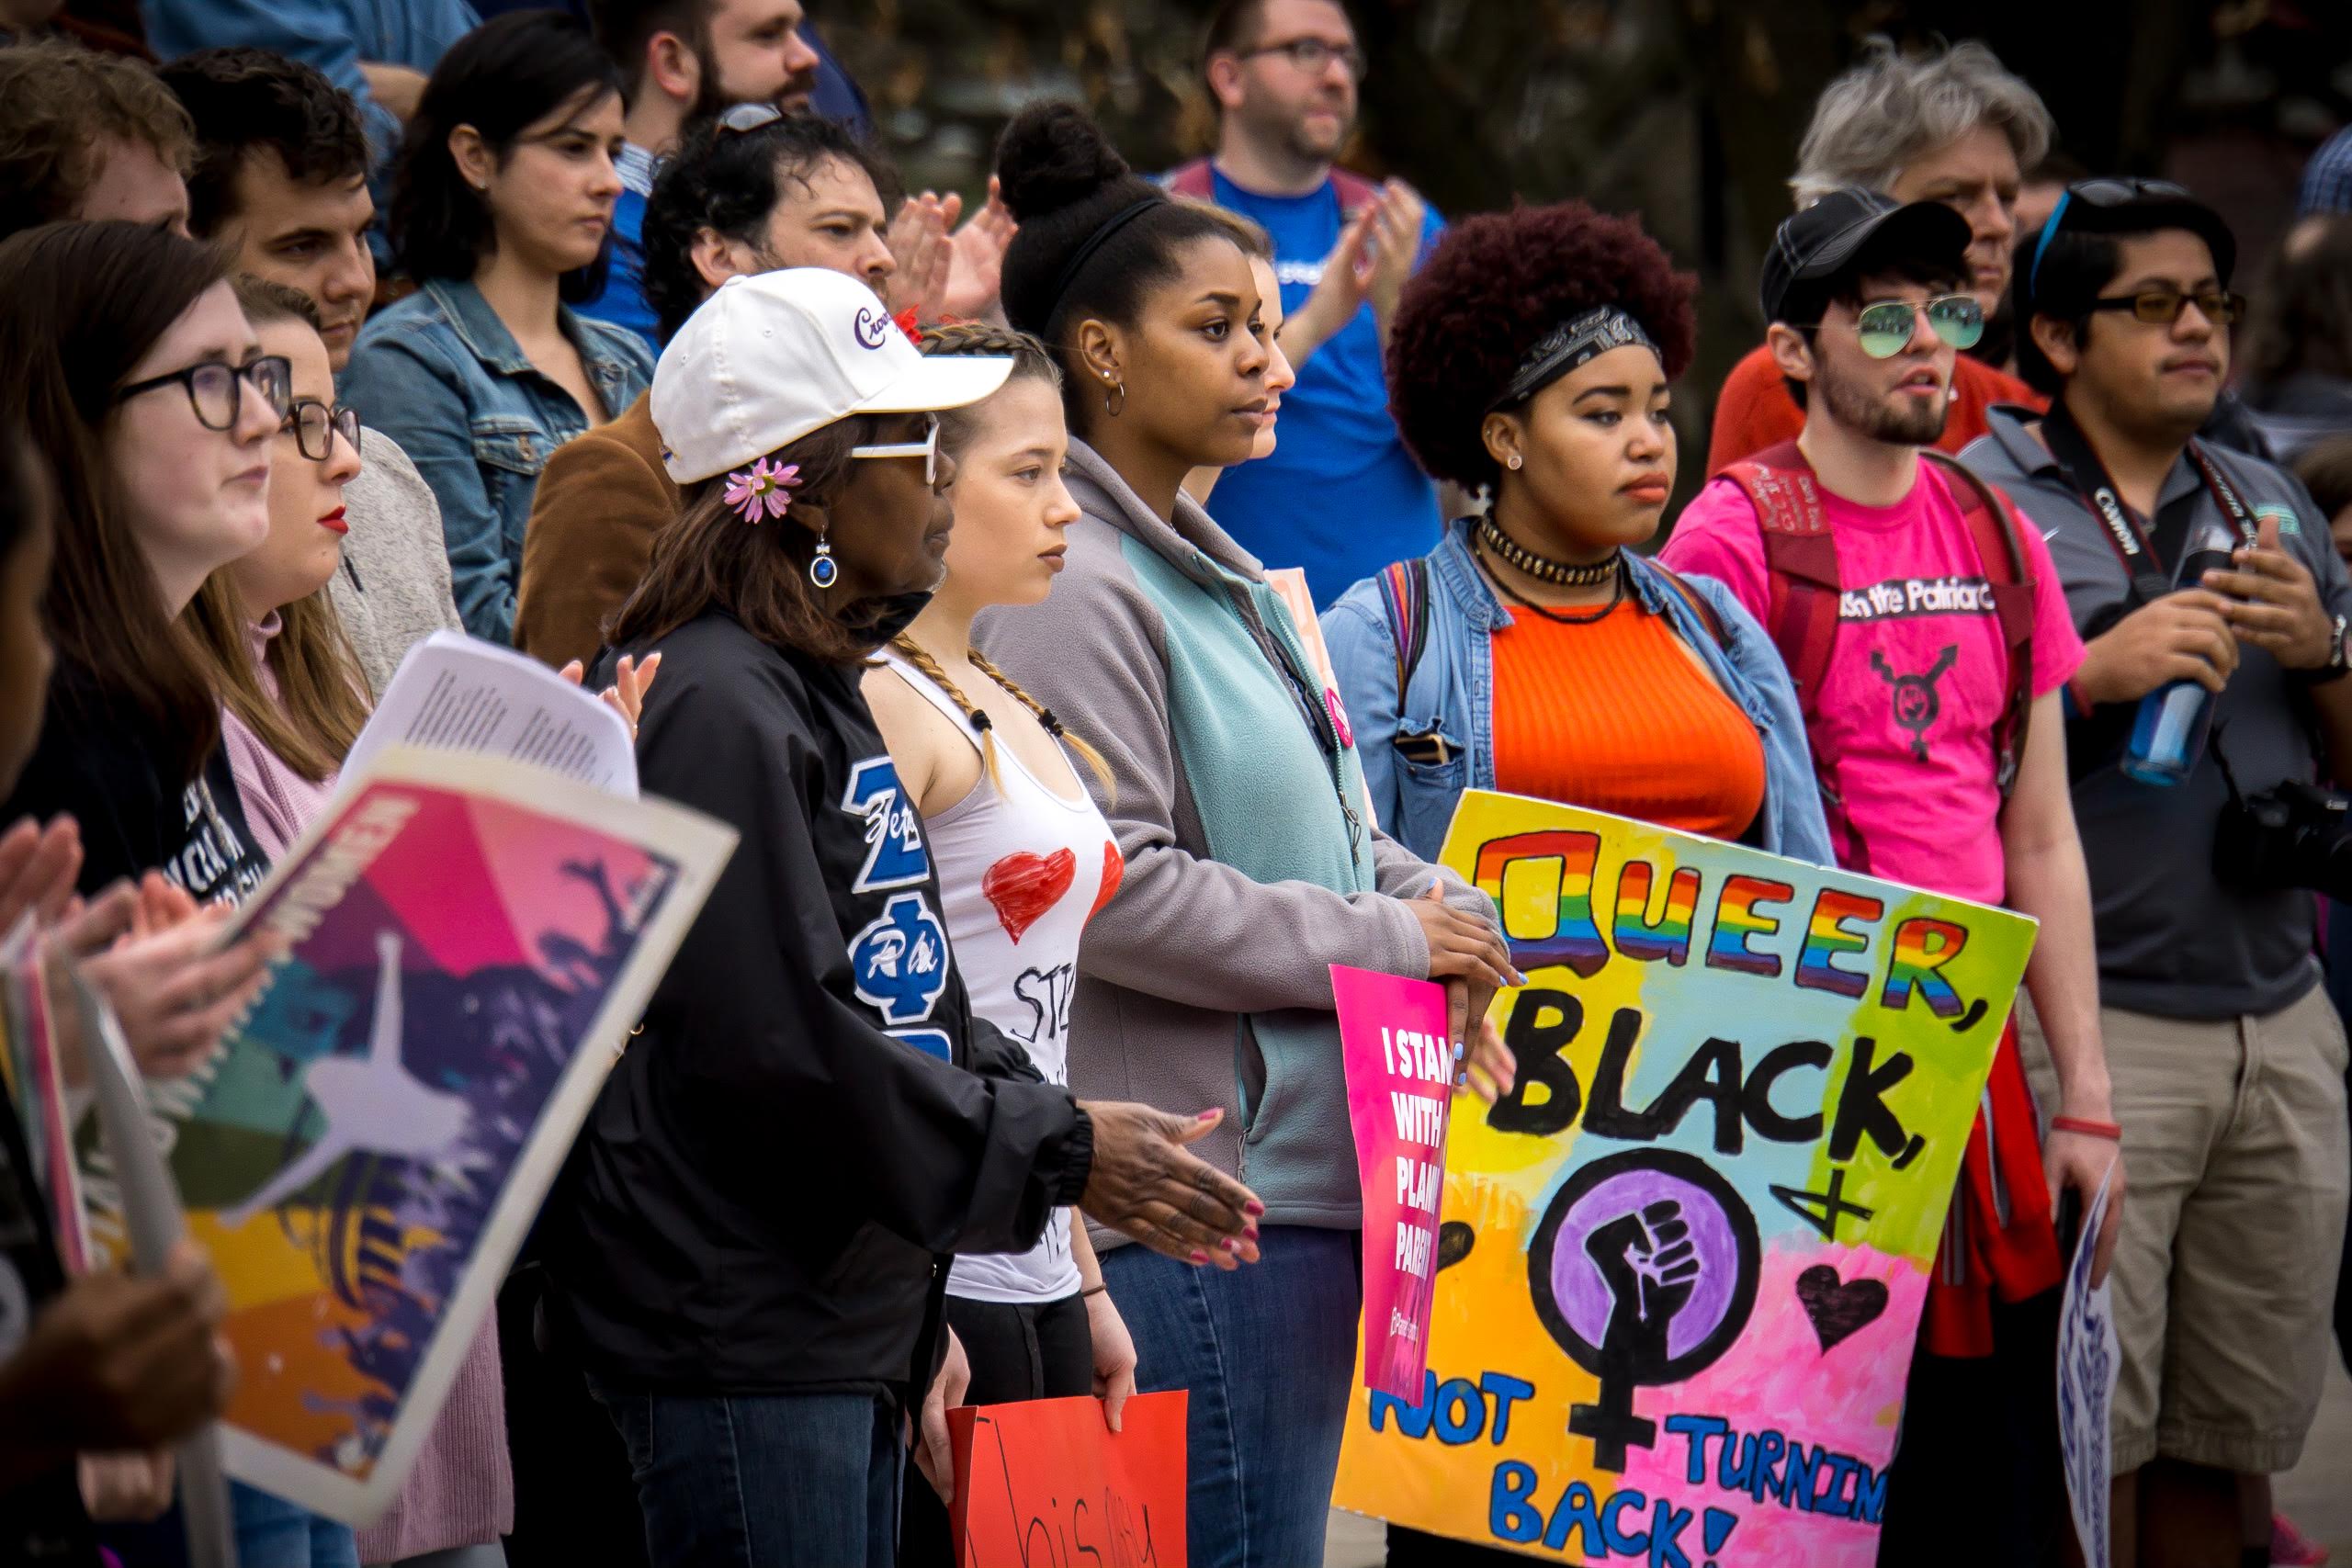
(1405,588)
(2001,555)
(1193,180)
(1801,557)
(1698,602)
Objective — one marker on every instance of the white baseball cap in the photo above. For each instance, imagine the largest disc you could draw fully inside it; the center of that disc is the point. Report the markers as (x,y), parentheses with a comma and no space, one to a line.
(769,357)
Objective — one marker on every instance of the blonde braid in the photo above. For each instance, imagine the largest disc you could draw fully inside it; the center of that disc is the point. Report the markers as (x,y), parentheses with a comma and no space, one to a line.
(1053,726)
(974,716)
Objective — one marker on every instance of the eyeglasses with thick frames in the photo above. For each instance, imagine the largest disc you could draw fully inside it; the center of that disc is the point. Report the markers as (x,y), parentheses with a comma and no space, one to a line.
(216,391)
(1312,55)
(927,449)
(1884,329)
(314,427)
(2162,306)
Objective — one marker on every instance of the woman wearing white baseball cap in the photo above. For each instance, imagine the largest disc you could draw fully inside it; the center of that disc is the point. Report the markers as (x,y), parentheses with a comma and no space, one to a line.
(751,1244)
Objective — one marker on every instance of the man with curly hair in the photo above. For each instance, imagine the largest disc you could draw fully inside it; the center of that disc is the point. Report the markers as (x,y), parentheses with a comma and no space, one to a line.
(1930,638)
(280,179)
(90,136)
(797,191)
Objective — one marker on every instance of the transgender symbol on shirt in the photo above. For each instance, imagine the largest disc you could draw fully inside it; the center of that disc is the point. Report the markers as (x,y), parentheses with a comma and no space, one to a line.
(1916,702)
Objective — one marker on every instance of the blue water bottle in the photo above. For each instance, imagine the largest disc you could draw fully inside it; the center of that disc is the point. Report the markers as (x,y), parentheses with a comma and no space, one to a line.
(2168,734)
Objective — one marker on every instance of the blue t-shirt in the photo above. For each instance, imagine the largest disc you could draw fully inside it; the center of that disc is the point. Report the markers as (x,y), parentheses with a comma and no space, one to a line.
(1339,496)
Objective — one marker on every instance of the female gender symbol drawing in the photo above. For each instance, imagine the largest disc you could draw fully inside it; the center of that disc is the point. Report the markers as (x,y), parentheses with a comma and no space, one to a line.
(1644,1270)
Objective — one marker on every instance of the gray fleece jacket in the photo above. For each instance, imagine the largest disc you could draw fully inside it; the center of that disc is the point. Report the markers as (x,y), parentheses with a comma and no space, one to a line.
(1249,868)
(392,591)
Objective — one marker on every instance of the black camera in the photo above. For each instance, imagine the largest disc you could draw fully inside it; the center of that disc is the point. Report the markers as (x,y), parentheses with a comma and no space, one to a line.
(2291,835)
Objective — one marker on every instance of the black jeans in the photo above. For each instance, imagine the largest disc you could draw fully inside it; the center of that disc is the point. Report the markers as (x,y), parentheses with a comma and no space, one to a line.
(1017,1352)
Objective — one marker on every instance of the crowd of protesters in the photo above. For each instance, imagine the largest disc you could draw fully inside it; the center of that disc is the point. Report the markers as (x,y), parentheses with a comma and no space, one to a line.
(917,544)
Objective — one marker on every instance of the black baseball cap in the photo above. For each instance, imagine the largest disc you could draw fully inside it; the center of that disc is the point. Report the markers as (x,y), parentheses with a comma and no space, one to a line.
(1849,231)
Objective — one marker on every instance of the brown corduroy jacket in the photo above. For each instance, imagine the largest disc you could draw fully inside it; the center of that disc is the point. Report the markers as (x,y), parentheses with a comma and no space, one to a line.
(601,500)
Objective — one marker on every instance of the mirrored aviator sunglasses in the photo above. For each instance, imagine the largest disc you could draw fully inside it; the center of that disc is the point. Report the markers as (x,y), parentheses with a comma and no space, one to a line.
(1885,328)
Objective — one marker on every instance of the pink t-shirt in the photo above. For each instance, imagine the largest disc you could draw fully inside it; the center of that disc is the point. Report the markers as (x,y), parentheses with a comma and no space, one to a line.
(1918,676)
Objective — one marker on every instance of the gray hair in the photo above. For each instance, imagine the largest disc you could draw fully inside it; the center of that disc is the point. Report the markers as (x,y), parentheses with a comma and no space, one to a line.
(1890,108)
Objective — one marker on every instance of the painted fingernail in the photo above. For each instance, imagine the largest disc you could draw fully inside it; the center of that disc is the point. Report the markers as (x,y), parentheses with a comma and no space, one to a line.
(1251,1232)
(1199,1256)
(1208,1116)
(1230,1245)
(1253,1208)
(1457,1050)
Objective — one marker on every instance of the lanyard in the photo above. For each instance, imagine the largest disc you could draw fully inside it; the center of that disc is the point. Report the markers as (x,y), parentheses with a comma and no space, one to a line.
(2123,531)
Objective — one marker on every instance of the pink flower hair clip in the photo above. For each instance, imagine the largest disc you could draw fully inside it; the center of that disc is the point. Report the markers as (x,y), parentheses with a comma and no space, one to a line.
(763,488)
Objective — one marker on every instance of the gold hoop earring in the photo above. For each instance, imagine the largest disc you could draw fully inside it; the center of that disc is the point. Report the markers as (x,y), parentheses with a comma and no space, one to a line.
(1121,407)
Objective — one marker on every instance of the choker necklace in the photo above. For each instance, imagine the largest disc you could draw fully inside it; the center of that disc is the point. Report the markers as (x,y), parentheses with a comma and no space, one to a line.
(1543,567)
(1565,617)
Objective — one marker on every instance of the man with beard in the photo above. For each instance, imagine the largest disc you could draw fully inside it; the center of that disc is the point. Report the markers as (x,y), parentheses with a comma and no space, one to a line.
(684,59)
(1929,638)
(1340,495)
(2228,1058)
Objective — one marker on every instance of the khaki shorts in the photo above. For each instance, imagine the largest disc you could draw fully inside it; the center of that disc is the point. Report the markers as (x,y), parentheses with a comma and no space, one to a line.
(2238,1164)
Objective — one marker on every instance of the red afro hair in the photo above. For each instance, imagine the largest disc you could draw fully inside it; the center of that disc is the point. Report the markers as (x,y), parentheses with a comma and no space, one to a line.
(1492,288)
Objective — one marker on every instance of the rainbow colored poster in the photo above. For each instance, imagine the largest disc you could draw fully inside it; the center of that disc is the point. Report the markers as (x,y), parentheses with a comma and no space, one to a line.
(469,940)
(1683,1262)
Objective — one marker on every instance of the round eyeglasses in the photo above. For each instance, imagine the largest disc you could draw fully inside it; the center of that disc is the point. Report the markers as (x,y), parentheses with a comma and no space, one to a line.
(216,390)
(314,426)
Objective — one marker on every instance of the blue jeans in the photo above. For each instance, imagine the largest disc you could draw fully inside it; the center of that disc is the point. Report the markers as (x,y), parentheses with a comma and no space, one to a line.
(763,1481)
(271,1533)
(1267,1351)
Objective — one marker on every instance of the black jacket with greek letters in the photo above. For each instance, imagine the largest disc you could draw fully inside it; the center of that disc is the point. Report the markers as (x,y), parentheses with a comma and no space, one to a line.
(811,1119)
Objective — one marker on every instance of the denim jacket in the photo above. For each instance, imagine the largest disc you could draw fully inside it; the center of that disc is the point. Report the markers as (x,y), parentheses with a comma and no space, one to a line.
(440,374)
(1452,693)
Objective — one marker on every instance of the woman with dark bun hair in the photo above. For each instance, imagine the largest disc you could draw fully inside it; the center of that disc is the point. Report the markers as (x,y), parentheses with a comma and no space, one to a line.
(1236,798)
(1531,359)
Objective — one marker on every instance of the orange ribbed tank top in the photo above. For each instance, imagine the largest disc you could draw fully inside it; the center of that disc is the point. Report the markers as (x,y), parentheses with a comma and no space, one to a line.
(1617,717)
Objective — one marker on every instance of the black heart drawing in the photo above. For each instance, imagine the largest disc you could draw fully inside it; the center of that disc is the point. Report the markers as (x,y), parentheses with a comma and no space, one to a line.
(1454,1240)
(1837,1310)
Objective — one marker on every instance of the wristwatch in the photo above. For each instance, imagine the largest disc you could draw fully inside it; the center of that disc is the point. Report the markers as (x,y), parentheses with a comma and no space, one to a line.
(2339,659)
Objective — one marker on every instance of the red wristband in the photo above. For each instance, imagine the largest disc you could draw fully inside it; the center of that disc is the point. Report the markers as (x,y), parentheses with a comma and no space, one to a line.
(2088,1128)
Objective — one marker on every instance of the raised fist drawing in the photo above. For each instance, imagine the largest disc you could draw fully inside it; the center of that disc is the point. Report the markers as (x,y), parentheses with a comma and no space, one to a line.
(1650,1266)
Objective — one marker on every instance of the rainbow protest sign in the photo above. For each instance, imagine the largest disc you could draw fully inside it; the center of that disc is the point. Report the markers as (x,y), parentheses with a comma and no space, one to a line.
(1683,1262)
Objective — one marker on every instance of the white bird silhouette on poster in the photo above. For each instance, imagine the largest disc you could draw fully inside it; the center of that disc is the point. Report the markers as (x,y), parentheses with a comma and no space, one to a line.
(372,1104)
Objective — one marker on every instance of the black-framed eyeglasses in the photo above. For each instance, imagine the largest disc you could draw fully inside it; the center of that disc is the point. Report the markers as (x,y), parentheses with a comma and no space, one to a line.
(2108,192)
(2162,307)
(216,391)
(314,426)
(1312,55)
(749,117)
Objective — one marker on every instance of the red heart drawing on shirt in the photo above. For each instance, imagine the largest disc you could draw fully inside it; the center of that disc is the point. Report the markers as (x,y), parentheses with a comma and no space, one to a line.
(1114,867)
(1024,886)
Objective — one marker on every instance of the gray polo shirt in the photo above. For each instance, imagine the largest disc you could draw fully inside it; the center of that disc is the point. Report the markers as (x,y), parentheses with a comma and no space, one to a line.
(2174,941)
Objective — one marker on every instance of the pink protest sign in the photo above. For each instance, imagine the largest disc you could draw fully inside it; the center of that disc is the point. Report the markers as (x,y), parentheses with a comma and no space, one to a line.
(1400,1075)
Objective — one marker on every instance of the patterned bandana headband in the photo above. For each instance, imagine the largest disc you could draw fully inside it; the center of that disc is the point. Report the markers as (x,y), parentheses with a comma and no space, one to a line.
(1568,345)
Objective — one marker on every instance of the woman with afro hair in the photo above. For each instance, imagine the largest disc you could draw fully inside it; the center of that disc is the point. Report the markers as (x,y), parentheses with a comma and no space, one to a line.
(1534,650)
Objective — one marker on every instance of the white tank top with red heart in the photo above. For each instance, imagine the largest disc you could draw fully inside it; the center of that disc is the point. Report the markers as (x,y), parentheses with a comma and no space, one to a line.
(1022,869)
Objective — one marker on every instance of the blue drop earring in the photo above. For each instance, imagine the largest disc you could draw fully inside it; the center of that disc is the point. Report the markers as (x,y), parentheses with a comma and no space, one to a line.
(822,568)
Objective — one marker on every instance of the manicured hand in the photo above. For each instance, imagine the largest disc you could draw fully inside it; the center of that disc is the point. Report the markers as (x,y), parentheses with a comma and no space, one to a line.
(1147,1186)
(2275,604)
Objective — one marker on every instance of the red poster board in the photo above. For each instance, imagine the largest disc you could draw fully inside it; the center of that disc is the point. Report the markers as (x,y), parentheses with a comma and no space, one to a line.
(1047,1482)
